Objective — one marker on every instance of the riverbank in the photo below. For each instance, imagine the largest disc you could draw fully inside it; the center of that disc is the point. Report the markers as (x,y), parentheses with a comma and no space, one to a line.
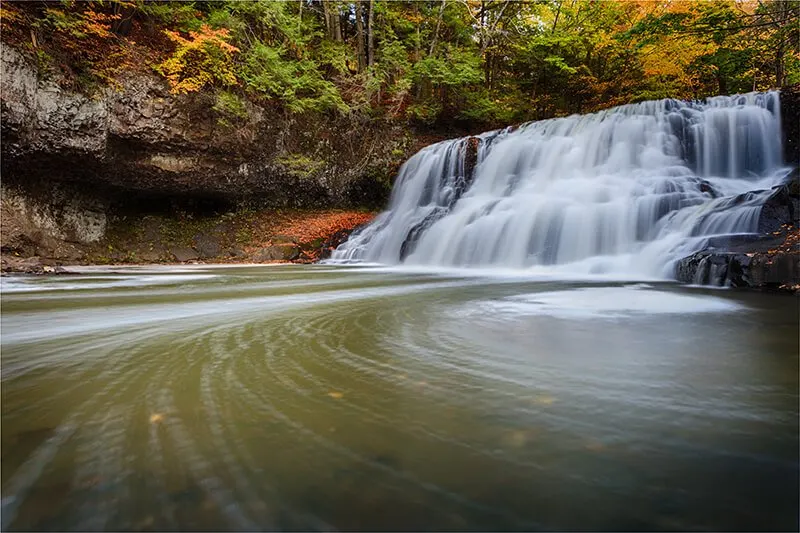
(240,236)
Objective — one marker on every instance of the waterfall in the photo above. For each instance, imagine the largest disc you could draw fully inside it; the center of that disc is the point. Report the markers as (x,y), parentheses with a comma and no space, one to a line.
(627,190)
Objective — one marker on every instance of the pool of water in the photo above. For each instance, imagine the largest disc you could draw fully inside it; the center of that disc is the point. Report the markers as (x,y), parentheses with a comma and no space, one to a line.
(328,397)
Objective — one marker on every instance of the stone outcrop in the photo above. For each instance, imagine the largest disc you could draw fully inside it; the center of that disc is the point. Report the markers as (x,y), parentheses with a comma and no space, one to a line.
(768,260)
(277,252)
(761,270)
(138,137)
(782,207)
(72,162)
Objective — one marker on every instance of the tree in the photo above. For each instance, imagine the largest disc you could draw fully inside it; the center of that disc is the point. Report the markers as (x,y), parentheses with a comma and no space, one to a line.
(483,63)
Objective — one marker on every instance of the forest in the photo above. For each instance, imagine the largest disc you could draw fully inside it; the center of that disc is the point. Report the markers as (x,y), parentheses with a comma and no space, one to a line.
(470,62)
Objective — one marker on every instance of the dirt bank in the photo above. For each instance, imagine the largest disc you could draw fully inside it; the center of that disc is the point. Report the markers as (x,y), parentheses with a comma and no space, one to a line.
(243,236)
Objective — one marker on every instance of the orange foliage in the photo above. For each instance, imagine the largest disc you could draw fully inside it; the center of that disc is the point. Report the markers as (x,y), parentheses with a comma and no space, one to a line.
(205,58)
(322,225)
(305,228)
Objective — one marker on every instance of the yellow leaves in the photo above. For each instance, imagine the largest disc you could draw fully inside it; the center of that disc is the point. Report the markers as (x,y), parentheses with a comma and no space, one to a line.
(672,56)
(206,35)
(9,14)
(205,58)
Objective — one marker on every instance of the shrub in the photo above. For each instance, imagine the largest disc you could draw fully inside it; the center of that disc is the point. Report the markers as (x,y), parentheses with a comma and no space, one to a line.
(204,59)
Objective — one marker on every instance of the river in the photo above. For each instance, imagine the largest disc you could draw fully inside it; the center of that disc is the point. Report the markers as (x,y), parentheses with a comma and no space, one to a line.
(331,397)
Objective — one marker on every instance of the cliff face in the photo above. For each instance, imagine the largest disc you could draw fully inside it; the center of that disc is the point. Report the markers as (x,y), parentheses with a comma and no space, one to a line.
(137,137)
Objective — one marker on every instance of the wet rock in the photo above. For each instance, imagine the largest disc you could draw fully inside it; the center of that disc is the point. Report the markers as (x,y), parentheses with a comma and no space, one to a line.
(277,252)
(792,182)
(744,243)
(414,234)
(337,239)
(754,270)
(706,187)
(471,156)
(183,253)
(780,209)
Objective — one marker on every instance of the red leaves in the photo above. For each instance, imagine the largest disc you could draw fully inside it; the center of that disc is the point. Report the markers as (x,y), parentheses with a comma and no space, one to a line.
(321,225)
(306,228)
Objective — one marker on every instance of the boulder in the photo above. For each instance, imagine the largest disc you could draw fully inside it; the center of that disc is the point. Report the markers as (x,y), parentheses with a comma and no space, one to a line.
(781,208)
(149,256)
(337,239)
(184,253)
(277,252)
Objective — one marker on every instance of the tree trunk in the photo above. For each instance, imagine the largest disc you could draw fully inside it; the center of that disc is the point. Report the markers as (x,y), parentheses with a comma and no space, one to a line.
(370,33)
(123,24)
(336,17)
(555,20)
(483,26)
(436,31)
(781,50)
(722,83)
(362,59)
(326,9)
(300,16)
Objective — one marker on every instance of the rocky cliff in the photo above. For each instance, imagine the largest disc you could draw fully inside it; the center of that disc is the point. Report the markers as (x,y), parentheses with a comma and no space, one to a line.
(76,166)
(138,137)
(769,259)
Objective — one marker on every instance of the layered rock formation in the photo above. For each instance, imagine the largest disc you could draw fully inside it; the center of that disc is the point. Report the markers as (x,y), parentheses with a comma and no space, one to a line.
(139,137)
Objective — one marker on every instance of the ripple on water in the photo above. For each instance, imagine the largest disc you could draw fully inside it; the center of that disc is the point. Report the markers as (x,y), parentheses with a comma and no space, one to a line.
(607,302)
(323,399)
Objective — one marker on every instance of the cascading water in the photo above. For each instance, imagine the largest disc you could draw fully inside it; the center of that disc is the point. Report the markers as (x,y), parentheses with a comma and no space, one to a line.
(627,190)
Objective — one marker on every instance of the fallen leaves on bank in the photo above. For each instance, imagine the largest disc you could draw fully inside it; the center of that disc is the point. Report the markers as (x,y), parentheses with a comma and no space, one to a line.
(311,232)
(308,227)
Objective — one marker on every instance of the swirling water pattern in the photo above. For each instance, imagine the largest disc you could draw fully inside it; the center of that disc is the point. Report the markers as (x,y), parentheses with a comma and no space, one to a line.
(320,398)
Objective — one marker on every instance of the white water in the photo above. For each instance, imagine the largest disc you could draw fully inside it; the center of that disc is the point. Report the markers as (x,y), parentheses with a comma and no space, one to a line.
(628,191)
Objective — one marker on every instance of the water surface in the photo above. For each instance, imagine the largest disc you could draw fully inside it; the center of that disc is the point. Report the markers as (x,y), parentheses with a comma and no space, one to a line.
(322,397)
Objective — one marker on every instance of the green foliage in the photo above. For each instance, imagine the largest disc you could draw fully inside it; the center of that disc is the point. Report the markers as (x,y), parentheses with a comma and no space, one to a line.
(301,166)
(296,83)
(229,106)
(489,61)
(178,15)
